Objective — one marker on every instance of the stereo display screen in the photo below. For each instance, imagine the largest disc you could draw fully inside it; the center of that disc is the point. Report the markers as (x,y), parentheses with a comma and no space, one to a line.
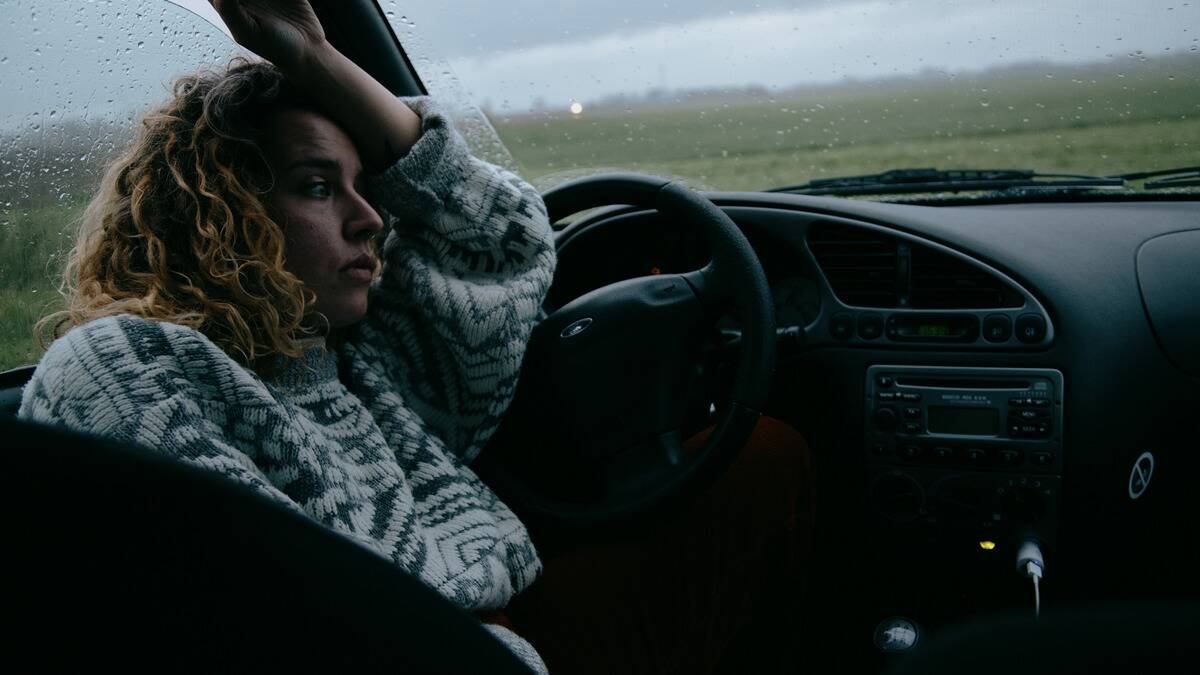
(944,419)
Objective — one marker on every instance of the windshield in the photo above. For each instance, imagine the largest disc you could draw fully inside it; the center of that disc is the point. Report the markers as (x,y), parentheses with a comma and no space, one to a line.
(721,94)
(736,95)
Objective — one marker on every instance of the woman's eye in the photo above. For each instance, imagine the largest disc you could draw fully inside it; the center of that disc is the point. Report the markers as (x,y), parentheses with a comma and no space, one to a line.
(319,189)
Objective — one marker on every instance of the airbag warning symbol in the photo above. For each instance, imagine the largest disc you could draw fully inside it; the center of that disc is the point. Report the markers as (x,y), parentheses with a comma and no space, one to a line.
(1139,478)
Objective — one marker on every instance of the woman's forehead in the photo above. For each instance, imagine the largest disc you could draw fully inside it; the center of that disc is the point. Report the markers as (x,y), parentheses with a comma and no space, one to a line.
(297,134)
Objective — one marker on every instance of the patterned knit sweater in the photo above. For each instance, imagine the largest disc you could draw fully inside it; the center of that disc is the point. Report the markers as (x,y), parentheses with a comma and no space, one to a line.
(372,438)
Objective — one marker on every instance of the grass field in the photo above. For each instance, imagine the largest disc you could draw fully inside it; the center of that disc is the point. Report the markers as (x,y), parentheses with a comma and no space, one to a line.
(1081,120)
(1084,120)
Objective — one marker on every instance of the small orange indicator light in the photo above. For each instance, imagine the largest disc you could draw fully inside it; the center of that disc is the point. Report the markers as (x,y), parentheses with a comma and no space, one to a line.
(987,545)
(656,270)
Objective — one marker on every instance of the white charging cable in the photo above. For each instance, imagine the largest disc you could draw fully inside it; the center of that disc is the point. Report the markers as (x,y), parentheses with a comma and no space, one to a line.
(1030,563)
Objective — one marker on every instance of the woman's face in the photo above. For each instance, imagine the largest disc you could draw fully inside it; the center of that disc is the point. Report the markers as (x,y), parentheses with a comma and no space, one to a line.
(327,222)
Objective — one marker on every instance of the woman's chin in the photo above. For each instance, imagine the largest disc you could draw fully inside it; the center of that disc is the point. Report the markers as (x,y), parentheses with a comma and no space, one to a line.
(344,314)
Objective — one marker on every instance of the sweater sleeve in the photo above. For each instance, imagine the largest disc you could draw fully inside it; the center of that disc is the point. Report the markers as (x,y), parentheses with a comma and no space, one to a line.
(146,383)
(466,264)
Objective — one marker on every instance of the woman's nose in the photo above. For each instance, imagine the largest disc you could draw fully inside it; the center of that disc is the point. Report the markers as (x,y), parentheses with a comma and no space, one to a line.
(364,221)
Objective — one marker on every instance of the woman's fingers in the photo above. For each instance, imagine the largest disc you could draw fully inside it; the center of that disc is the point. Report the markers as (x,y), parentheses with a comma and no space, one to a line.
(234,16)
(281,31)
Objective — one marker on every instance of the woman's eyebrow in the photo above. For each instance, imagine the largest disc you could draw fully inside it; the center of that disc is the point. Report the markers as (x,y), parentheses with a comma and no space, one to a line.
(315,163)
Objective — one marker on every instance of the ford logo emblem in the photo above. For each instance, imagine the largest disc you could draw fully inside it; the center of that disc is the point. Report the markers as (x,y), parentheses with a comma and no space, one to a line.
(576,328)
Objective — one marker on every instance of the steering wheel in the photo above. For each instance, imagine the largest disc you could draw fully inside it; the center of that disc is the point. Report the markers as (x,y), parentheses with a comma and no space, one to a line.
(595,431)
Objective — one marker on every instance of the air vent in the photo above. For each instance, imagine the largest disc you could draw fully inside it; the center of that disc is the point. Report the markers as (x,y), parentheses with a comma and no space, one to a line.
(940,281)
(868,269)
(859,264)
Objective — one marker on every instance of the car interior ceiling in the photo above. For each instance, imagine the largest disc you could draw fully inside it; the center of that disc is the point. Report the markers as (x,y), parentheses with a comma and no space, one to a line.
(1055,342)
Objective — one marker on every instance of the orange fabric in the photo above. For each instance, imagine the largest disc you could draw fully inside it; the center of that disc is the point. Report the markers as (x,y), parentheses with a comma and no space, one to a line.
(710,586)
(496,617)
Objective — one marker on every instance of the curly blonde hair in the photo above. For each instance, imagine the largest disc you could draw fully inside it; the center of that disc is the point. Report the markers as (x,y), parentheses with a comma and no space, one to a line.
(179,232)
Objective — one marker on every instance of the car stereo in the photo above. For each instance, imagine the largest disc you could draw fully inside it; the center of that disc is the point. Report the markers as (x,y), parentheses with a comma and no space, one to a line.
(985,418)
(975,450)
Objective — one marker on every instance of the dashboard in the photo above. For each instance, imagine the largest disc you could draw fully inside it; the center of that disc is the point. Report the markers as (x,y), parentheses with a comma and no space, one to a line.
(984,313)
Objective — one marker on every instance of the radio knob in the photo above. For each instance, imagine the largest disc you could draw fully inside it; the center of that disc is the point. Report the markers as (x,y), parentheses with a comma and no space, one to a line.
(885,419)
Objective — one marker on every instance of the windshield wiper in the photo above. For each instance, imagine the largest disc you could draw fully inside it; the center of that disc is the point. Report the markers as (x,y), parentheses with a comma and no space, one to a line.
(898,181)
(1183,176)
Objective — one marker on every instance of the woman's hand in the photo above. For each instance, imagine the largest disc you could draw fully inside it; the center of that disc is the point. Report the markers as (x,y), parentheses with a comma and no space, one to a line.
(284,32)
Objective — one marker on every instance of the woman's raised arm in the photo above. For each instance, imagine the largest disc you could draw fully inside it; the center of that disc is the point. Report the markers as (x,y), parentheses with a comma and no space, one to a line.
(288,34)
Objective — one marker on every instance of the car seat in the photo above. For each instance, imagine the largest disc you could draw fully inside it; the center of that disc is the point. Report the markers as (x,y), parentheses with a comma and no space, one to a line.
(121,557)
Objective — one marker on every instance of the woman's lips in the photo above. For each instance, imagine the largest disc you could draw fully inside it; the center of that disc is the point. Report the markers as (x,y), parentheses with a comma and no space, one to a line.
(360,269)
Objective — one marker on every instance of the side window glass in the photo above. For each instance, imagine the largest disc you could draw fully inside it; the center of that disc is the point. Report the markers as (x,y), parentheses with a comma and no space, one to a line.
(442,83)
(77,75)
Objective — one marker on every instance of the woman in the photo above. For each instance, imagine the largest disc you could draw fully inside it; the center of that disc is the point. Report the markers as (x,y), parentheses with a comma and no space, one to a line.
(237,236)
(228,307)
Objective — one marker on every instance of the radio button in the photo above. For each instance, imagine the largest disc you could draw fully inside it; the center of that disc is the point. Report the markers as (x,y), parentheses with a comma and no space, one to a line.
(841,326)
(997,328)
(1041,458)
(885,380)
(912,428)
(1009,457)
(1029,429)
(909,451)
(976,455)
(1039,402)
(912,413)
(1031,328)
(886,396)
(870,326)
(909,396)
(944,453)
(1032,414)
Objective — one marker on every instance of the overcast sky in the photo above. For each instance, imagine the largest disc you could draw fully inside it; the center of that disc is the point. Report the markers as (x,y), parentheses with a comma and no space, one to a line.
(112,57)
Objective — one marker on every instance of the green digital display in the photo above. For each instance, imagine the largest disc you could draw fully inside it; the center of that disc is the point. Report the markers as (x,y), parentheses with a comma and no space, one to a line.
(933,330)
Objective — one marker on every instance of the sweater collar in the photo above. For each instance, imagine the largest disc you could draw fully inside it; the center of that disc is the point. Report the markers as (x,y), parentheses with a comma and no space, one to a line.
(317,365)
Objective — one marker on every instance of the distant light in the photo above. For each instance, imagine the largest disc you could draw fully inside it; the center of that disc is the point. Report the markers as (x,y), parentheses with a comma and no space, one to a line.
(576,108)
(987,545)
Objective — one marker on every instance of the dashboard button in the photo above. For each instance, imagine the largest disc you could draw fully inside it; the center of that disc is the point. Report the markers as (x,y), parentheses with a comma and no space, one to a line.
(912,428)
(976,455)
(886,396)
(841,326)
(909,396)
(1009,457)
(870,326)
(912,413)
(944,453)
(997,328)
(910,451)
(885,380)
(1033,414)
(1031,328)
(1041,458)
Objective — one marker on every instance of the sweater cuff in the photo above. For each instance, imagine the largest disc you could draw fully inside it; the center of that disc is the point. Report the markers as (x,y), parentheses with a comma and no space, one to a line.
(422,181)
(517,645)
